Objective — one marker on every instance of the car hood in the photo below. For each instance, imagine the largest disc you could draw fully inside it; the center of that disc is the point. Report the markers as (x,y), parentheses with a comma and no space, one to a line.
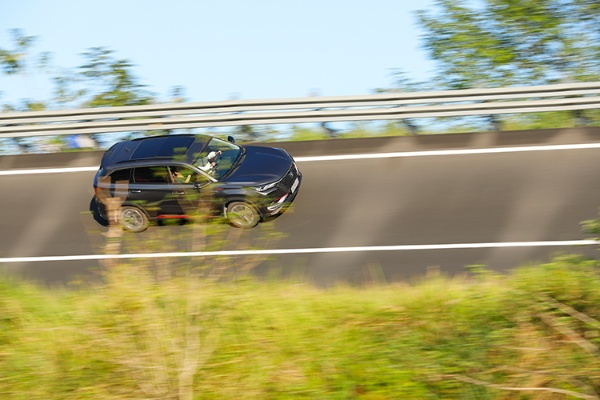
(261,165)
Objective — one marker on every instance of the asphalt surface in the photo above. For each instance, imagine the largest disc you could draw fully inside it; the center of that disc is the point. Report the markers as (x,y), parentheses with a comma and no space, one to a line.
(428,200)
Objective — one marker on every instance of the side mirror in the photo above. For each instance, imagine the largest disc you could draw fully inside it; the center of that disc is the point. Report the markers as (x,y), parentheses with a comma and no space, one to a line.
(231,139)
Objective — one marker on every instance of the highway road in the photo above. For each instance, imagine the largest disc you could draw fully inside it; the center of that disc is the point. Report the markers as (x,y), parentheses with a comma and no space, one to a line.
(403,207)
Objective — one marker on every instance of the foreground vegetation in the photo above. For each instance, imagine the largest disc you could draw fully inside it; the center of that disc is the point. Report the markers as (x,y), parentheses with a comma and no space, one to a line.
(532,334)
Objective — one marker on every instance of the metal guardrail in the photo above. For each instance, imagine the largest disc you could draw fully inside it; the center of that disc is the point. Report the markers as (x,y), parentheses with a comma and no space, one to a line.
(389,106)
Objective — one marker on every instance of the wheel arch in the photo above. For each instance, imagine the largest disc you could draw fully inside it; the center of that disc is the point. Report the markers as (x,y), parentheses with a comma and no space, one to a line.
(244,199)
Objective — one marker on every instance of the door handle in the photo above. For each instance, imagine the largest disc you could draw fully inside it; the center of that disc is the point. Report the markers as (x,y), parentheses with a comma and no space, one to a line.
(135,191)
(179,192)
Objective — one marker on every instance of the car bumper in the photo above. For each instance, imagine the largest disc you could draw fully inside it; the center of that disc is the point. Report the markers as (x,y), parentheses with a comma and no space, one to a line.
(100,208)
(283,203)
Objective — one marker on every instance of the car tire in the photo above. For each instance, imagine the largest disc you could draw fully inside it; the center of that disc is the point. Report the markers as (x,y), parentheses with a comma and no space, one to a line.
(242,215)
(133,219)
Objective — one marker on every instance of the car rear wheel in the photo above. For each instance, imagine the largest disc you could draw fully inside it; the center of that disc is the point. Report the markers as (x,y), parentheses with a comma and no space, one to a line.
(133,219)
(242,215)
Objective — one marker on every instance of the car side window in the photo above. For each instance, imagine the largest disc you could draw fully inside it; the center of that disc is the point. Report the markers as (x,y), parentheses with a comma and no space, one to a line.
(120,175)
(155,174)
(187,175)
(202,180)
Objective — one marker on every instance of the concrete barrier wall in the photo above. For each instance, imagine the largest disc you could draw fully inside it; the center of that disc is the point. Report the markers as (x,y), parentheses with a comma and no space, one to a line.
(351,146)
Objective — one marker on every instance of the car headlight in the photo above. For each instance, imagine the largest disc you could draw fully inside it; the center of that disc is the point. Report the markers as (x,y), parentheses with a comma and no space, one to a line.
(265,187)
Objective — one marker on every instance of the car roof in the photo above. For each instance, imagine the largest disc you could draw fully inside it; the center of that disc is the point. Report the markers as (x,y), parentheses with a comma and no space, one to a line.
(171,147)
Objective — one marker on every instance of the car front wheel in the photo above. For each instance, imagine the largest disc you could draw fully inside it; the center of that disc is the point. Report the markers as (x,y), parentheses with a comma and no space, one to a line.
(242,215)
(133,219)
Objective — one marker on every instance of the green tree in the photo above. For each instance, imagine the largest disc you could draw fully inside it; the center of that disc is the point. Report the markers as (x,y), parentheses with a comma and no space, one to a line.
(499,43)
(102,80)
(495,43)
(13,61)
(112,79)
(17,61)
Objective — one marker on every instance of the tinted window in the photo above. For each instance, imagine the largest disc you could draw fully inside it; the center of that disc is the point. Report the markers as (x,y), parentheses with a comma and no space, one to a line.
(224,157)
(148,148)
(187,175)
(151,175)
(197,146)
(120,175)
(175,145)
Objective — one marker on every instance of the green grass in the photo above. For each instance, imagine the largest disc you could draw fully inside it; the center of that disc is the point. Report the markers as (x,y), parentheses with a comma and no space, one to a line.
(188,337)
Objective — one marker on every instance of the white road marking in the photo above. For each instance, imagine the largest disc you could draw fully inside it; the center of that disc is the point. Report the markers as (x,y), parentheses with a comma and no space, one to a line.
(454,246)
(492,150)
(431,153)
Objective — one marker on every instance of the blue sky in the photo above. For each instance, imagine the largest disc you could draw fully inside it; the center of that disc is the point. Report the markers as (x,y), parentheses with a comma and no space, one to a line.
(219,50)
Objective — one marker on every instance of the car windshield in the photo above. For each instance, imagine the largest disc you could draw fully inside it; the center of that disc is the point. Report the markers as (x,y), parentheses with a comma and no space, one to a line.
(218,157)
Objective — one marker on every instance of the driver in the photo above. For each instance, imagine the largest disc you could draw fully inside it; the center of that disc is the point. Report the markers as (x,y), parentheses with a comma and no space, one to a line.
(211,160)
(178,177)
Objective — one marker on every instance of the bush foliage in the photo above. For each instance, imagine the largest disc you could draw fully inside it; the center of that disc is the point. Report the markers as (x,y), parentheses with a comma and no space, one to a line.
(532,334)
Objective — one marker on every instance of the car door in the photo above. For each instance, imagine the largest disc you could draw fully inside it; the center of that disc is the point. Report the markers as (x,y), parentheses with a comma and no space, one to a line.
(188,189)
(149,188)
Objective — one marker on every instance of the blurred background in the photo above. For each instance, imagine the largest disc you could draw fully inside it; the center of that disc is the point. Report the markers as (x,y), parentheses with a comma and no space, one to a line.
(145,52)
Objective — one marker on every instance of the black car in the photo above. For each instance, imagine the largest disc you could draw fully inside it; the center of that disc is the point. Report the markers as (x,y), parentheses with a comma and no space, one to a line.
(172,176)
